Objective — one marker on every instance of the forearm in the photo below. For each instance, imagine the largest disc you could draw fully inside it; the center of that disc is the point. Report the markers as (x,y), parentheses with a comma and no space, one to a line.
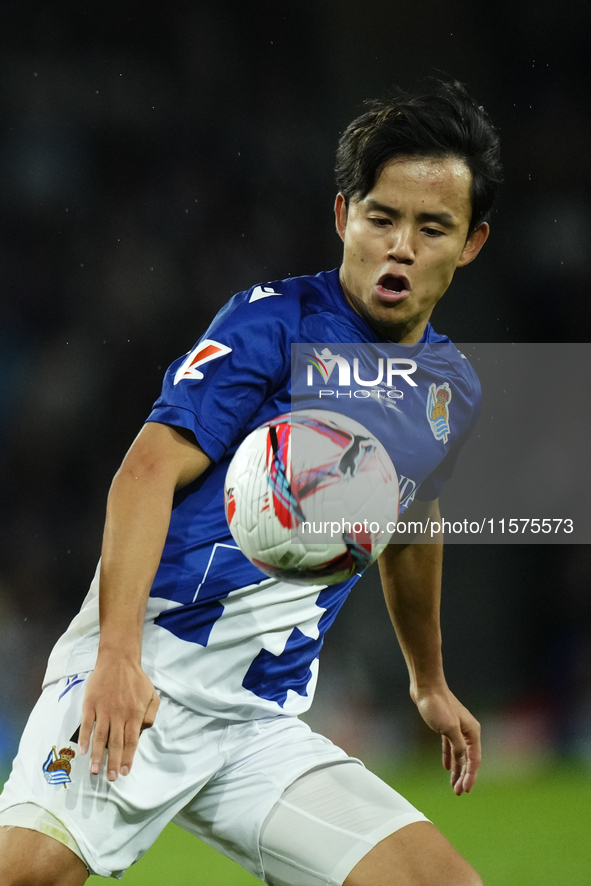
(411,579)
(138,515)
(120,700)
(161,460)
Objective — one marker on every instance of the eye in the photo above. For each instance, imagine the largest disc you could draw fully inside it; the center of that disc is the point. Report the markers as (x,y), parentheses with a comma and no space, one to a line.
(379,221)
(433,232)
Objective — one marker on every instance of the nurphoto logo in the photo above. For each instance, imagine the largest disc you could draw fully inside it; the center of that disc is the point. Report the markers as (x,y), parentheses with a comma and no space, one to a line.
(325,362)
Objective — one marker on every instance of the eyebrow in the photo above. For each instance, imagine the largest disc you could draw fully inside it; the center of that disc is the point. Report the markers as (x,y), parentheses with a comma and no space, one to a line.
(445,219)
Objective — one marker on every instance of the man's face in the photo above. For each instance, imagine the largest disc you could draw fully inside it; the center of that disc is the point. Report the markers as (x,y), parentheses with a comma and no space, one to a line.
(404,240)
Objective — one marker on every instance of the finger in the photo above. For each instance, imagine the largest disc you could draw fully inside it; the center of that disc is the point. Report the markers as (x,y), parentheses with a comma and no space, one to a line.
(458,758)
(469,776)
(133,729)
(473,759)
(115,751)
(457,781)
(88,718)
(132,733)
(151,711)
(446,752)
(471,735)
(100,738)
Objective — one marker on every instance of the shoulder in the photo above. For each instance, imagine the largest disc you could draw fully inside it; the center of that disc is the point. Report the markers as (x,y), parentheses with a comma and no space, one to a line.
(454,363)
(257,326)
(284,302)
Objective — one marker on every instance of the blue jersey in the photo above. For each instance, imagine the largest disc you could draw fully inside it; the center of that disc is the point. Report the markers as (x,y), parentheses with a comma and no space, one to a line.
(220,636)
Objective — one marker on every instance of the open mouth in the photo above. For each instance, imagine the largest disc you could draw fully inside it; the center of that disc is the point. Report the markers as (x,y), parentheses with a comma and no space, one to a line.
(392,289)
(393,283)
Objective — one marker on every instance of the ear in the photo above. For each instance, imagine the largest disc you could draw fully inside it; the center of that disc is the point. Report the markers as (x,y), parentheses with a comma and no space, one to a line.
(340,213)
(474,244)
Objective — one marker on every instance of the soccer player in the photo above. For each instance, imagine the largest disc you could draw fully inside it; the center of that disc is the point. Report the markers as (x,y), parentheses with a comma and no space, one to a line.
(174,693)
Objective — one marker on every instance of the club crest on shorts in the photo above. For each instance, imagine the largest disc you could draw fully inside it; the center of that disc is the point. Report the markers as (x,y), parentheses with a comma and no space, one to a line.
(58,766)
(438,402)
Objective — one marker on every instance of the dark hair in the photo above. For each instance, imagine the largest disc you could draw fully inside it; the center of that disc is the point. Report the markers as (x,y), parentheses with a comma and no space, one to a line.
(444,122)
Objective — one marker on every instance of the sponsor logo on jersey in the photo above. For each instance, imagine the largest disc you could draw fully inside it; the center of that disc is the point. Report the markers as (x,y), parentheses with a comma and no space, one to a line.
(203,353)
(262,292)
(58,766)
(438,401)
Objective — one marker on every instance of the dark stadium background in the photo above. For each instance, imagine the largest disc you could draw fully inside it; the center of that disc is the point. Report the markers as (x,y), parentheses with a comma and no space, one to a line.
(154,159)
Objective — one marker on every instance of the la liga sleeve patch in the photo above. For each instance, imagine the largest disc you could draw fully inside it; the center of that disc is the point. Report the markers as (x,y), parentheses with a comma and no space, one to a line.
(202,353)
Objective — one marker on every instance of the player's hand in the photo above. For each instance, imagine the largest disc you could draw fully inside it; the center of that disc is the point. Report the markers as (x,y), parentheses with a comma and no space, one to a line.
(460,735)
(120,701)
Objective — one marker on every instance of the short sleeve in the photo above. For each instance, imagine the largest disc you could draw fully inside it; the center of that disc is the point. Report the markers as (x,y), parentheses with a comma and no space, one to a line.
(243,357)
(431,487)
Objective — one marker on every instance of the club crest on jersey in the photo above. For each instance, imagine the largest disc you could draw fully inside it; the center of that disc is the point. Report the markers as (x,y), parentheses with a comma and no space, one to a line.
(438,402)
(58,766)
(204,352)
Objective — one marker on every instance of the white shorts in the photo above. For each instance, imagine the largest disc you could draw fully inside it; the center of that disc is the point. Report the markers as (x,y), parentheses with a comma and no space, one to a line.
(227,782)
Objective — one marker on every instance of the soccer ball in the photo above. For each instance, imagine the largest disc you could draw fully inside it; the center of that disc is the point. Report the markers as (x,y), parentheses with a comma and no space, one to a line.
(311,497)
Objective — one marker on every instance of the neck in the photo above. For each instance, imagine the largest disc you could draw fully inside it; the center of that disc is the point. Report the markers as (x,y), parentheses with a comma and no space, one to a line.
(405,333)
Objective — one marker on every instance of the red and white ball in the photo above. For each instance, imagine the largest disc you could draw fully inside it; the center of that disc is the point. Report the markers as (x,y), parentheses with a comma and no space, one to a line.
(305,471)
